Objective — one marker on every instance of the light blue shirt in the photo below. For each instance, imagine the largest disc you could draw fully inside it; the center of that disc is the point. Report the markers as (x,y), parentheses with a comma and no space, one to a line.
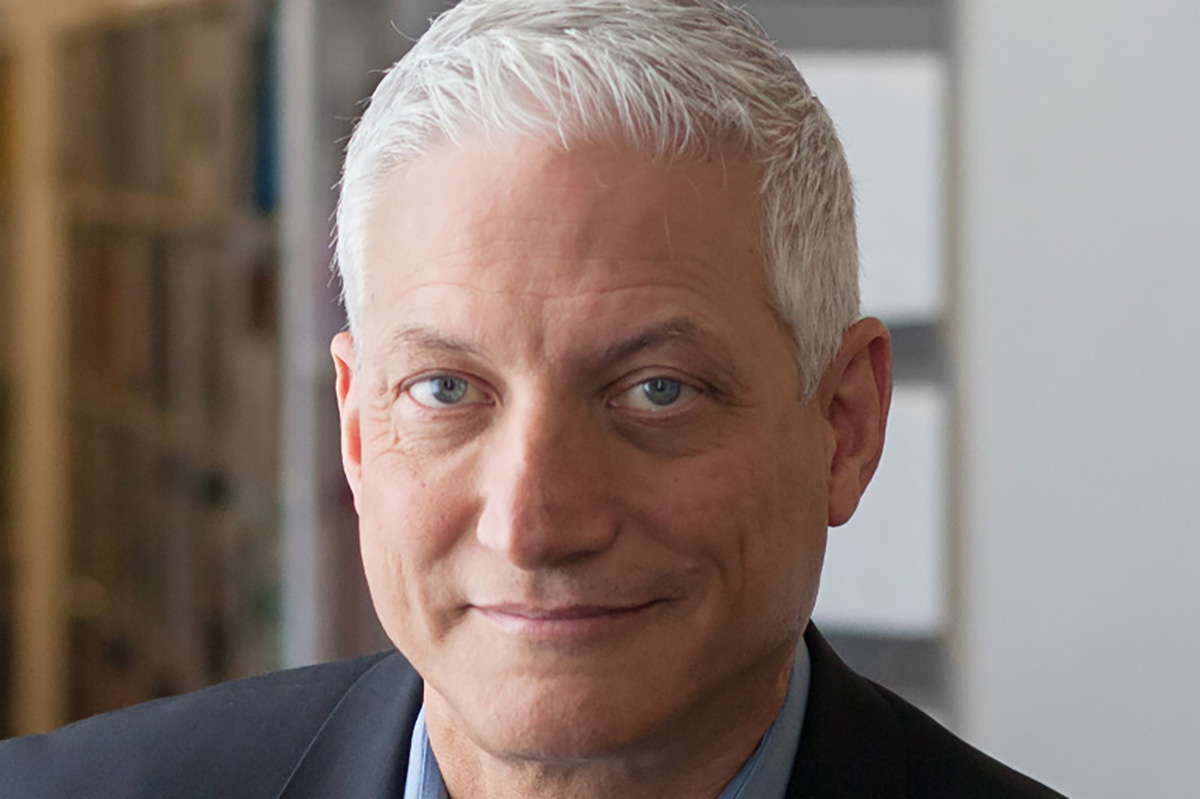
(764,776)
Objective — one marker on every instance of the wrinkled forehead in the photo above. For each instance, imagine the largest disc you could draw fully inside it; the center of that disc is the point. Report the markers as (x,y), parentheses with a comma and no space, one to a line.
(518,198)
(534,223)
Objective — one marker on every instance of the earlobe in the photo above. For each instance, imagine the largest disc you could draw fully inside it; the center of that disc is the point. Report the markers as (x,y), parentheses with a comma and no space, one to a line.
(345,366)
(855,397)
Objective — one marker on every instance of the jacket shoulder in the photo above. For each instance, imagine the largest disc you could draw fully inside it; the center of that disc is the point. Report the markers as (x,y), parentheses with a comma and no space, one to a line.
(861,740)
(940,764)
(240,738)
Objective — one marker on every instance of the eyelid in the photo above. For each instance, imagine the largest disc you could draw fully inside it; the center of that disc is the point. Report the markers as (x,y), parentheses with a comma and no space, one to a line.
(474,385)
(690,391)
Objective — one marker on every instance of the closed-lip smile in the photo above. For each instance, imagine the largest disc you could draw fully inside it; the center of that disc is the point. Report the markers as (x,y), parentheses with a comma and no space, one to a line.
(561,622)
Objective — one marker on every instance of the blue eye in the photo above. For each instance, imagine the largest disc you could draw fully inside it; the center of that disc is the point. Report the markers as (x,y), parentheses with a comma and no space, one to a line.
(444,391)
(656,394)
(661,391)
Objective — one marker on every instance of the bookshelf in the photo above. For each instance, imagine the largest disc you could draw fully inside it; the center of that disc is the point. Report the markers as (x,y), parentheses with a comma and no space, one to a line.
(139,396)
(173,309)
(173,350)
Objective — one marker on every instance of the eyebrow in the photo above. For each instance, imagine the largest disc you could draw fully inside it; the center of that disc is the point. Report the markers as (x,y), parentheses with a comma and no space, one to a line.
(423,338)
(679,329)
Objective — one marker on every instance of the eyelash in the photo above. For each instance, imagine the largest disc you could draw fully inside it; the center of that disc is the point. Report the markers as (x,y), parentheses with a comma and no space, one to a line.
(472,384)
(688,392)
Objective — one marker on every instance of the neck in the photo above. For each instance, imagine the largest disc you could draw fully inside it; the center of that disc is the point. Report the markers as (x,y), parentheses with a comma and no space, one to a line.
(694,757)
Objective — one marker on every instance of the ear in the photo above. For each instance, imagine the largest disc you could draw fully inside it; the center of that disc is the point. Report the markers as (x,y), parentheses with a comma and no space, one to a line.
(345,365)
(855,394)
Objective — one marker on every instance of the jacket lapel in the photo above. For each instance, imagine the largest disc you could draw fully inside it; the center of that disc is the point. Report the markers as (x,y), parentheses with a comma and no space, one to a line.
(852,744)
(361,751)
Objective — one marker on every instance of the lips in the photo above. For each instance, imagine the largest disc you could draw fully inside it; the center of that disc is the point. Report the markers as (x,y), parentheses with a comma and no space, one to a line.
(572,622)
(561,613)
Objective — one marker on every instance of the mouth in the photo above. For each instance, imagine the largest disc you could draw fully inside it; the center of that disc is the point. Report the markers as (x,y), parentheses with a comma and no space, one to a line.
(566,623)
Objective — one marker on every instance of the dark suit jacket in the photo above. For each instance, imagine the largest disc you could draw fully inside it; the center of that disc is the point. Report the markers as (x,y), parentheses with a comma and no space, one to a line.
(342,731)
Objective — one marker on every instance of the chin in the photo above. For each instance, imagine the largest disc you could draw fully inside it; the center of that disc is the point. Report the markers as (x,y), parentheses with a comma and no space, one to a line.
(564,719)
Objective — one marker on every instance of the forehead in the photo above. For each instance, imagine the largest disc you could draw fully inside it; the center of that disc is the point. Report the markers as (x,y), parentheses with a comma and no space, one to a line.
(540,224)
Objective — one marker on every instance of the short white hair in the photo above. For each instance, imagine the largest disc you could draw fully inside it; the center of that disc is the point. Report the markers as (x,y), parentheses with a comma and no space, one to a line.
(670,78)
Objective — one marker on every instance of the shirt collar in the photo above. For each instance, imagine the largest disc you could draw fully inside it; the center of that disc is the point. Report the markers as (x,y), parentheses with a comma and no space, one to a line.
(424,780)
(764,776)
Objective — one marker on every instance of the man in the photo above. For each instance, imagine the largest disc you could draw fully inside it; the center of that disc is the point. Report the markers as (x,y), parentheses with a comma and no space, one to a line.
(602,393)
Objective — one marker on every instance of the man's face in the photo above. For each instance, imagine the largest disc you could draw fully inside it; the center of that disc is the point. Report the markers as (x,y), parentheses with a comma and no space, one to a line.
(593,506)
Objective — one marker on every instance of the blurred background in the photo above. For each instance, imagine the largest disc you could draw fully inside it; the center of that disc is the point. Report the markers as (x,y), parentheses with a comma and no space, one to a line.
(1027,565)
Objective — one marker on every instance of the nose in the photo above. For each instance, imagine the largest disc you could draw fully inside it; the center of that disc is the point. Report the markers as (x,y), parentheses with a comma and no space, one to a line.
(547,488)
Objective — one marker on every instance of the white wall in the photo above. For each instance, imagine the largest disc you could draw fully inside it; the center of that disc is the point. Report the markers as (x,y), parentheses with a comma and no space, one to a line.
(1076,339)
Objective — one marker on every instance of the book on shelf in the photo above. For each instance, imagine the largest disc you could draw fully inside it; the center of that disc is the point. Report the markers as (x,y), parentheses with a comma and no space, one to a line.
(211,112)
(85,106)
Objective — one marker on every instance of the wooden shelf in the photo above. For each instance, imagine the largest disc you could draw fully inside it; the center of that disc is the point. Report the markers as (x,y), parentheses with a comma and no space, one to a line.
(7,452)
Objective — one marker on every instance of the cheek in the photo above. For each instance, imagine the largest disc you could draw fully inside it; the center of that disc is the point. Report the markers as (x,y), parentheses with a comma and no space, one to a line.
(410,521)
(793,553)
(751,517)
